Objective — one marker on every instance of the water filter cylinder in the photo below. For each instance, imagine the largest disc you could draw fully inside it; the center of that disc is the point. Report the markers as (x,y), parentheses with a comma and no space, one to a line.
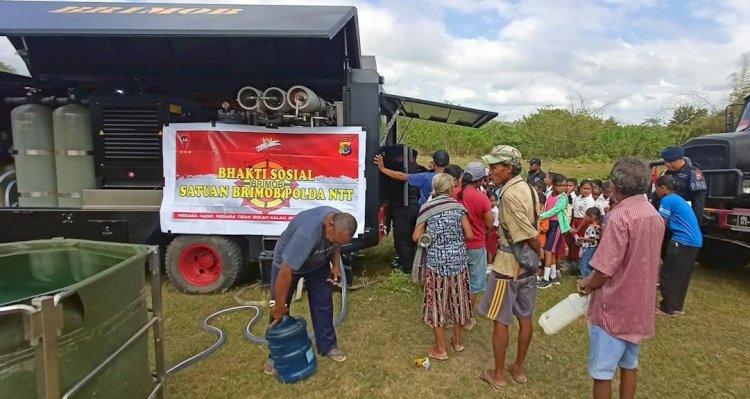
(274,99)
(34,155)
(291,350)
(563,313)
(74,154)
(305,100)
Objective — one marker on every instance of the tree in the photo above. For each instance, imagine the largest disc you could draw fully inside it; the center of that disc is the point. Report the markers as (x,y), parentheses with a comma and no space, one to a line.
(6,68)
(739,80)
(685,114)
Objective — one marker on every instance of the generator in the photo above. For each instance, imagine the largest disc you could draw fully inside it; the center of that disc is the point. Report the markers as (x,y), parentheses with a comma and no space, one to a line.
(85,152)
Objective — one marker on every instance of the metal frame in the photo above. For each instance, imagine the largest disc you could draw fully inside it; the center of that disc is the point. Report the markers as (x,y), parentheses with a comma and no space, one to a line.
(43,322)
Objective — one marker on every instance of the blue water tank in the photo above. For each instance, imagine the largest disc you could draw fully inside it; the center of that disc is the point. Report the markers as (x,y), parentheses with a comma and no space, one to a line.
(291,350)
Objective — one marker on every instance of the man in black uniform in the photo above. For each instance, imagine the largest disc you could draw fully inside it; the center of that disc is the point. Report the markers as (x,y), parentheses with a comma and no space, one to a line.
(689,181)
(535,171)
(403,217)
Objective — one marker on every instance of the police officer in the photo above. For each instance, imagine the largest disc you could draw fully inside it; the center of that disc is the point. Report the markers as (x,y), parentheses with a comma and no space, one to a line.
(689,181)
(535,171)
(404,217)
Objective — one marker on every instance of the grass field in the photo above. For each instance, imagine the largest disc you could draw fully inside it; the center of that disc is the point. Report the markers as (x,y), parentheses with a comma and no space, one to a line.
(700,355)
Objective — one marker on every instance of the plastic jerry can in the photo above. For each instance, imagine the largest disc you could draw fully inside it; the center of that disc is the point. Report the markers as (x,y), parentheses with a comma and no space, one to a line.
(563,313)
(291,350)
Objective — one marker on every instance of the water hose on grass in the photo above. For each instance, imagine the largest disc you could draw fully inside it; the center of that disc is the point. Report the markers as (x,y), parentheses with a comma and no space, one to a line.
(258,306)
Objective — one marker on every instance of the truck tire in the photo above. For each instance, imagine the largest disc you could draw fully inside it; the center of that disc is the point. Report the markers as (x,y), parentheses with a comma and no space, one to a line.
(204,264)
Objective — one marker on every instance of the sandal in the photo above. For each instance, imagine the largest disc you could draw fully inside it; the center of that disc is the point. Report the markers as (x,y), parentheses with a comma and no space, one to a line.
(437,356)
(520,380)
(660,312)
(486,376)
(458,348)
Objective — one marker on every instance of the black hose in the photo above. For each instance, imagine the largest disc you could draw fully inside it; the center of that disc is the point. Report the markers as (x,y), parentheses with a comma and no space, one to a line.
(221,337)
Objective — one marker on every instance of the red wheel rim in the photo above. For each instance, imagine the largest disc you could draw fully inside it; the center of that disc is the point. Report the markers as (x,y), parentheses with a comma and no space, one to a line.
(200,264)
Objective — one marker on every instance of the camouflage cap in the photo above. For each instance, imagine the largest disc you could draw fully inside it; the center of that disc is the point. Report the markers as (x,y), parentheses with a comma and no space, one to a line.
(503,154)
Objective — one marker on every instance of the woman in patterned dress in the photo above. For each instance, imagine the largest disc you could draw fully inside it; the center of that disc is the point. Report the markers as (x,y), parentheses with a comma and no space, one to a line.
(444,265)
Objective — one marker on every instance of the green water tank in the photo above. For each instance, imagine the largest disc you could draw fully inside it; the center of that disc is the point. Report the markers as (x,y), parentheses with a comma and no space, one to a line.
(107,308)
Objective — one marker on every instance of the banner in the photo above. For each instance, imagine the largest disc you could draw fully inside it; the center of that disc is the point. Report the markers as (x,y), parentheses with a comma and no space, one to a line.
(249,180)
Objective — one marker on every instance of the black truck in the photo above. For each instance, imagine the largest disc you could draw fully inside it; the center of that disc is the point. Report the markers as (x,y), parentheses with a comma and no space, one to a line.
(125,70)
(724,159)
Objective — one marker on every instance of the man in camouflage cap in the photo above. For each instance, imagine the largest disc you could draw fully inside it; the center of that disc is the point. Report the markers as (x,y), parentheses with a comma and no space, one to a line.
(503,154)
(511,290)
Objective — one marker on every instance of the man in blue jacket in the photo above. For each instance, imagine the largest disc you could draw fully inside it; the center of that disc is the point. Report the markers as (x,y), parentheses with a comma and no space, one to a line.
(689,182)
(681,250)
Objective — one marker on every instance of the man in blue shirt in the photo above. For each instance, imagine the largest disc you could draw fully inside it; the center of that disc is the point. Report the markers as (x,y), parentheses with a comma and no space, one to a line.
(440,160)
(310,247)
(682,248)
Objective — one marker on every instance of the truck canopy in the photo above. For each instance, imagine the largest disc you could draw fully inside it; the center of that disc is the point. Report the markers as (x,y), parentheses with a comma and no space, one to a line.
(434,111)
(155,42)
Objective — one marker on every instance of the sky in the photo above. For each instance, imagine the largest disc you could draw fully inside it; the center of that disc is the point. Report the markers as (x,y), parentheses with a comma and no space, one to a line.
(626,59)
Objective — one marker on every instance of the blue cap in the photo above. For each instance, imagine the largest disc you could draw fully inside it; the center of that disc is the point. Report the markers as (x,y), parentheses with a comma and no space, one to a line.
(671,154)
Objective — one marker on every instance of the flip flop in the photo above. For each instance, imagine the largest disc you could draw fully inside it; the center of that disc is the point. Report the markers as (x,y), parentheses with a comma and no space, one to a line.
(660,312)
(486,376)
(457,348)
(515,377)
(435,356)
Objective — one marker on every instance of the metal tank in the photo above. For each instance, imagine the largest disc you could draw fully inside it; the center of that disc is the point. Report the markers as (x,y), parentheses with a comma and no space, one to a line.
(34,147)
(251,99)
(305,100)
(74,154)
(274,99)
(92,339)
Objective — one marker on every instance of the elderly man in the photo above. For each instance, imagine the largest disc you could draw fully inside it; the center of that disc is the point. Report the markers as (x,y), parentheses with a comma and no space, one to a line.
(310,247)
(623,285)
(440,161)
(689,181)
(511,289)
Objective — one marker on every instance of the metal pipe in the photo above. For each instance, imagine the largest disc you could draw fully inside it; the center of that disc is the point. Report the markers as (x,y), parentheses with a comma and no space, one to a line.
(44,326)
(728,240)
(62,295)
(13,309)
(154,263)
(8,189)
(157,392)
(98,369)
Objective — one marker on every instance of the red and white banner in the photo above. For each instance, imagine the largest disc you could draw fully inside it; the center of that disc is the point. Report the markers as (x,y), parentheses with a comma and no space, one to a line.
(249,180)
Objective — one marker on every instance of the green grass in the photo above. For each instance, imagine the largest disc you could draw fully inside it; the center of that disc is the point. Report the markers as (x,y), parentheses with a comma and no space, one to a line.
(703,354)
(699,355)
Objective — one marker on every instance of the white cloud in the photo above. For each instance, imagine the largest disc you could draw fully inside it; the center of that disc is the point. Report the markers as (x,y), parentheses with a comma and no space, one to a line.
(630,58)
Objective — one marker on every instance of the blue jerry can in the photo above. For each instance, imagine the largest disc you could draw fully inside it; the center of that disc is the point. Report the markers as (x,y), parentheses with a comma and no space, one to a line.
(291,350)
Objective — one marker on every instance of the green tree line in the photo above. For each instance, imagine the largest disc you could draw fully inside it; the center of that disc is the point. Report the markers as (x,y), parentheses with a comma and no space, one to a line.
(561,133)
